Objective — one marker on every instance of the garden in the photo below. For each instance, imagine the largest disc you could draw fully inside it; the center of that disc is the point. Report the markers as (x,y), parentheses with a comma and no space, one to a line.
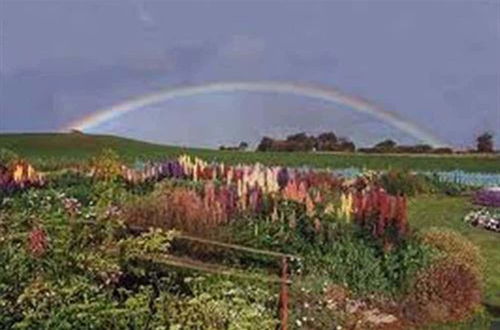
(184,243)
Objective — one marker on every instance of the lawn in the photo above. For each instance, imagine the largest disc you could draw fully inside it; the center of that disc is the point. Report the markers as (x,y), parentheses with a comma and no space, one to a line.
(51,150)
(442,211)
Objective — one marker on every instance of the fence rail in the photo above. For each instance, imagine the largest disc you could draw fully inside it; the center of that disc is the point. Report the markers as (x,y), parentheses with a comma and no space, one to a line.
(283,278)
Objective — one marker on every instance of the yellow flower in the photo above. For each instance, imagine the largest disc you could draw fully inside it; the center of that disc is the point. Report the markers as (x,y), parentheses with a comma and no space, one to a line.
(18,173)
(346,206)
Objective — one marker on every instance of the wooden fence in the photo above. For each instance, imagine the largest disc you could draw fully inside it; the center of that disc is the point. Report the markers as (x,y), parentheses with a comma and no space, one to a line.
(283,278)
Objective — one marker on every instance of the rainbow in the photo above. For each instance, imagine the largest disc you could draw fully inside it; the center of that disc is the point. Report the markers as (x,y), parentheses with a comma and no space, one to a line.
(327,94)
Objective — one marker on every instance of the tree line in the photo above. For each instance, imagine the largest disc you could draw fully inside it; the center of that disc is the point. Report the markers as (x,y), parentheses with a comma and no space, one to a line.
(329,141)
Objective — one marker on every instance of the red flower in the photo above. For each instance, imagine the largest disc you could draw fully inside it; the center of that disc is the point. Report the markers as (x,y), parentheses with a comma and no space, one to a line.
(384,209)
(37,242)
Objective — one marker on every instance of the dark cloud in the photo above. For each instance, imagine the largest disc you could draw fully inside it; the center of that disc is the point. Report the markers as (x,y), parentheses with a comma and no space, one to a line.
(189,58)
(435,63)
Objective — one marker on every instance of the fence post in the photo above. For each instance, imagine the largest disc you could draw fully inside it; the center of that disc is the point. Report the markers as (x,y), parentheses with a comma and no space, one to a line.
(283,302)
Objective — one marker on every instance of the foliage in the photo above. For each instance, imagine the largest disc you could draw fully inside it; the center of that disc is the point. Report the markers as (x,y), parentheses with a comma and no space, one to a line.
(403,182)
(7,156)
(386,144)
(447,291)
(70,262)
(327,141)
(156,241)
(390,146)
(343,254)
(310,304)
(106,165)
(218,305)
(485,142)
(457,247)
(76,185)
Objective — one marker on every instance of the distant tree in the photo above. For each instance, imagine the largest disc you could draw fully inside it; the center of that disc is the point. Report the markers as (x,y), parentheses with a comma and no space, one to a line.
(300,142)
(349,146)
(299,137)
(326,141)
(328,137)
(485,142)
(422,148)
(243,145)
(345,144)
(386,144)
(266,144)
(443,150)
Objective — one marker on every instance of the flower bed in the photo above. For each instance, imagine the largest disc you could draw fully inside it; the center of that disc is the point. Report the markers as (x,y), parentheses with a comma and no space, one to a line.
(79,264)
(19,175)
(484,219)
(488,197)
(256,189)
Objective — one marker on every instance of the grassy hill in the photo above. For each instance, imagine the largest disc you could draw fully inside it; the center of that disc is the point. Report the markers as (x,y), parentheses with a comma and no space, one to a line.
(48,150)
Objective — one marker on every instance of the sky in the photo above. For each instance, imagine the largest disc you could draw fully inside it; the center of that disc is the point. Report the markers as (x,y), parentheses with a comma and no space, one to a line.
(434,62)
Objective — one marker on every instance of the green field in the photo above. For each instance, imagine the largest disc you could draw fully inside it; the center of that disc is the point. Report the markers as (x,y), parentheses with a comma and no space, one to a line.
(57,149)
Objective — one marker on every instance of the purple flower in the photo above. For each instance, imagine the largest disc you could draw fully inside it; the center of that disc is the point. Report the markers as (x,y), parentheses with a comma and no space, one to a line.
(488,197)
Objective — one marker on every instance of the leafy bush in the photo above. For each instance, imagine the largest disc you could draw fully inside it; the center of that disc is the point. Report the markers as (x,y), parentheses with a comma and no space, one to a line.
(156,241)
(218,305)
(450,289)
(106,165)
(447,291)
(398,181)
(448,187)
(342,253)
(455,246)
(75,185)
(365,269)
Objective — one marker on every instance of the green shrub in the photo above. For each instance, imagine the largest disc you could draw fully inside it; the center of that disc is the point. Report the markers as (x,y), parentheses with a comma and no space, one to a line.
(79,304)
(219,304)
(106,165)
(397,181)
(75,185)
(342,253)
